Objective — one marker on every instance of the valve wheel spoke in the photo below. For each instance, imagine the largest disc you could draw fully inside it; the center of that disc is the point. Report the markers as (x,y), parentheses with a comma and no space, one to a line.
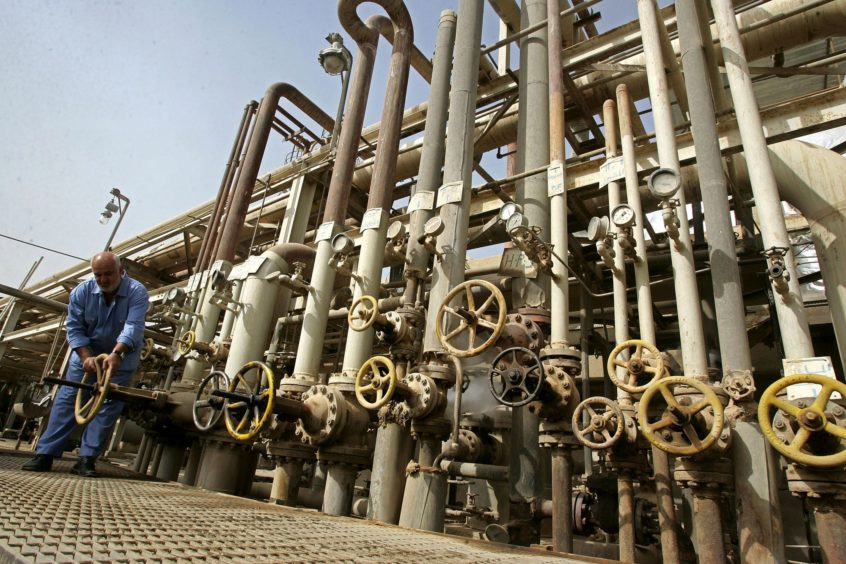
(835,430)
(662,423)
(692,435)
(471,303)
(786,407)
(698,406)
(822,399)
(457,331)
(800,439)
(486,304)
(486,324)
(667,393)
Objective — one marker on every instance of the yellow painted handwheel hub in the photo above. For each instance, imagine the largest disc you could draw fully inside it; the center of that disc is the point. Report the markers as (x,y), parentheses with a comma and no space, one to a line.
(86,410)
(245,420)
(471,319)
(377,376)
(810,420)
(638,366)
(680,416)
(363,313)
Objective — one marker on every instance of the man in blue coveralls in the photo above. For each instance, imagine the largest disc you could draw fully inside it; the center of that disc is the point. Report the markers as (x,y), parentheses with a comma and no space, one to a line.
(105,315)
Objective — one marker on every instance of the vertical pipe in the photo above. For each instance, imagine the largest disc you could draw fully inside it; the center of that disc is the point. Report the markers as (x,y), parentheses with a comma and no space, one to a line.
(689,314)
(170,463)
(338,494)
(796,337)
(458,162)
(562,499)
(139,456)
(158,451)
(666,509)
(432,153)
(189,477)
(707,522)
(586,323)
(830,517)
(286,482)
(387,479)
(559,299)
(626,537)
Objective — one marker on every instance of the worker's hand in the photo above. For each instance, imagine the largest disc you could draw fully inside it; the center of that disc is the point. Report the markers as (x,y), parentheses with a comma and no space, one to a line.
(112,363)
(90,364)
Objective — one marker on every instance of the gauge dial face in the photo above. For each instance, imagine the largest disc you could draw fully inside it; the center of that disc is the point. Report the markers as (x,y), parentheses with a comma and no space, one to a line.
(516,220)
(395,230)
(508,209)
(664,183)
(623,216)
(342,244)
(597,228)
(434,226)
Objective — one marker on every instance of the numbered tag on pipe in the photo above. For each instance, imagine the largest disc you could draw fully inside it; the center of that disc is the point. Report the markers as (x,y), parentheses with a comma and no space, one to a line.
(450,193)
(555,179)
(611,170)
(372,219)
(821,365)
(421,201)
(325,231)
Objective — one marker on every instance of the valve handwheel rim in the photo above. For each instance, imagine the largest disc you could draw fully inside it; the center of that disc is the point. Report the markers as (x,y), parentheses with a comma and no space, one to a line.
(470,318)
(220,381)
(85,412)
(366,316)
(598,422)
(376,383)
(264,392)
(515,376)
(147,349)
(635,366)
(808,425)
(664,388)
(186,342)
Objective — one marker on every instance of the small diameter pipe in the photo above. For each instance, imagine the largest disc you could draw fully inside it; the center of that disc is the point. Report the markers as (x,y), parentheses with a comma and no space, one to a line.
(830,517)
(488,472)
(793,322)
(562,499)
(708,518)
(626,537)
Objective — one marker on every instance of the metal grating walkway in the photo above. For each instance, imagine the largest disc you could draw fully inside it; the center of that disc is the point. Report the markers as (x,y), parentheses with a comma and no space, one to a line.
(58,517)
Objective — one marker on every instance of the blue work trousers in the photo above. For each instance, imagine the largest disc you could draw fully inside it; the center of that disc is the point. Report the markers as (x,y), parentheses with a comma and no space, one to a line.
(62,421)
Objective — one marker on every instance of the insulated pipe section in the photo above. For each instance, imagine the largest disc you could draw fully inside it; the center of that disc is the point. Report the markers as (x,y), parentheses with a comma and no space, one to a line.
(458,165)
(316,312)
(374,225)
(236,215)
(793,322)
(432,157)
(690,316)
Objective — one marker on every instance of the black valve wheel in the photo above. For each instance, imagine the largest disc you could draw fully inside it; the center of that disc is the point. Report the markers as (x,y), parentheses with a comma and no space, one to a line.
(208,408)
(516,376)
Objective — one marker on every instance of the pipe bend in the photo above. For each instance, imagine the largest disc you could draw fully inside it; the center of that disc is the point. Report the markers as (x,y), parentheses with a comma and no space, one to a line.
(289,91)
(361,32)
(293,252)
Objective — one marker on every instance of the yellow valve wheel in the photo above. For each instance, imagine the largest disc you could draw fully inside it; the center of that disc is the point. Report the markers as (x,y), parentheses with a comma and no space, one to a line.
(376,377)
(808,422)
(186,342)
(86,409)
(147,349)
(680,422)
(638,365)
(606,420)
(249,406)
(363,313)
(471,319)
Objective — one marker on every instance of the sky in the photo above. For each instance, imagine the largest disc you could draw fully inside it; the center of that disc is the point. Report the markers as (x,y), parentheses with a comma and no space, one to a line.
(146,96)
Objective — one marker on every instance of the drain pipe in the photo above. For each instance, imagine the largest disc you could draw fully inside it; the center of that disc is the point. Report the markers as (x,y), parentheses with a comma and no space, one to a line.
(210,236)
(793,322)
(316,312)
(393,442)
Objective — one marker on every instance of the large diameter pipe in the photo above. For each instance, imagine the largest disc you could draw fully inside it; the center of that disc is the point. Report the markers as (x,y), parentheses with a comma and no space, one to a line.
(707,528)
(236,215)
(830,518)
(562,499)
(458,163)
(684,270)
(387,481)
(559,298)
(793,322)
(626,537)
(432,154)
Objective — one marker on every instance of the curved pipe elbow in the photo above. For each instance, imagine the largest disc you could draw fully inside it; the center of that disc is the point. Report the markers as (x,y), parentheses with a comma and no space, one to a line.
(363,32)
(292,93)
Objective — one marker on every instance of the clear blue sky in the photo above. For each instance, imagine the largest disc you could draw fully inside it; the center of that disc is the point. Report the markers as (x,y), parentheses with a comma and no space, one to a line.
(146,96)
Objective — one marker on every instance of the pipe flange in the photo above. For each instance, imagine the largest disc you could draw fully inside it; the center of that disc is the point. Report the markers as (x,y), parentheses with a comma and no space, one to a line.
(568,358)
(331,407)
(697,474)
(520,331)
(355,456)
(297,383)
(538,315)
(470,444)
(289,450)
(435,427)
(396,329)
(343,382)
(815,482)
(739,384)
(442,372)
(425,396)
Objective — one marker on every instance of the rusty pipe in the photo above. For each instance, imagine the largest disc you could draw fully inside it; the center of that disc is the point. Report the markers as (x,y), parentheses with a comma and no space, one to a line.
(237,213)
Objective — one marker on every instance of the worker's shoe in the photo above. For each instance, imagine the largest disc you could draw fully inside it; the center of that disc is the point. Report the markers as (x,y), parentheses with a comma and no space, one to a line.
(41,463)
(85,467)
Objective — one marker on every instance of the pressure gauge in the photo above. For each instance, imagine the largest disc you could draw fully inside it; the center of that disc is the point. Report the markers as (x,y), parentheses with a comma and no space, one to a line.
(597,228)
(623,216)
(508,209)
(175,296)
(342,244)
(396,230)
(516,221)
(434,227)
(664,183)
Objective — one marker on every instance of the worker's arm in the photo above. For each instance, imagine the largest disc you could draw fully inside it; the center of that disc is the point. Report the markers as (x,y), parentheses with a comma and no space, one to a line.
(131,337)
(75,328)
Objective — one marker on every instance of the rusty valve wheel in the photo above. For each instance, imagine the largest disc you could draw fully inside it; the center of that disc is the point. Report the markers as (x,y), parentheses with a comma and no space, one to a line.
(248,408)
(810,423)
(86,409)
(516,376)
(208,408)
(378,378)
(606,420)
(186,342)
(470,318)
(363,313)
(147,349)
(637,366)
(682,422)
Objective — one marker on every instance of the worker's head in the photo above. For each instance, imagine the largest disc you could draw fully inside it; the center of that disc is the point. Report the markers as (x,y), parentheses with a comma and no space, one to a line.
(107,271)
